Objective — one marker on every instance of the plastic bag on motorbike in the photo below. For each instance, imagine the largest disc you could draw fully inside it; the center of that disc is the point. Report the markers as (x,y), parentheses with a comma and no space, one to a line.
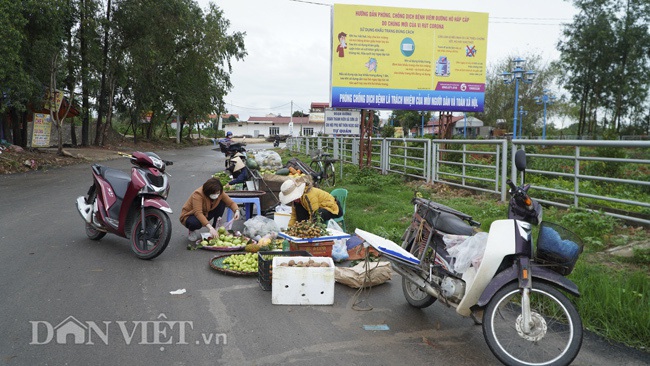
(452,240)
(469,252)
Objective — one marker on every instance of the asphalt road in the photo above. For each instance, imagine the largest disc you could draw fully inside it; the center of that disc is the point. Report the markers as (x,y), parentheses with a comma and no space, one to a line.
(54,280)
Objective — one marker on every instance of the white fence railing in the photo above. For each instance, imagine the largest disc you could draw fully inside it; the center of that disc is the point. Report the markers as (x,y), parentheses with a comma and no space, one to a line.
(482,165)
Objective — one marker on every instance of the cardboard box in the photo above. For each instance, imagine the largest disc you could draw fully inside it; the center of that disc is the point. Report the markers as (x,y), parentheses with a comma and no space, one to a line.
(302,285)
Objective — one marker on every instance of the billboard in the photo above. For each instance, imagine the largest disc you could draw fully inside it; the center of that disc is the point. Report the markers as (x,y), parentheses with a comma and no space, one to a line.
(42,130)
(402,58)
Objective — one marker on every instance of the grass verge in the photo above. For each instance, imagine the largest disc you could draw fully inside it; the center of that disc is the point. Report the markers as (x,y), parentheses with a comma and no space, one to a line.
(614,299)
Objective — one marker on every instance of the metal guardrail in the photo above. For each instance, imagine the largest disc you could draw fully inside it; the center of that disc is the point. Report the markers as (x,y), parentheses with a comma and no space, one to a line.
(578,162)
(482,165)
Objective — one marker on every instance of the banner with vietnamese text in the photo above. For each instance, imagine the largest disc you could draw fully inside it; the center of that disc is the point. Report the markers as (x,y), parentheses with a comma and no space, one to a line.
(42,130)
(401,58)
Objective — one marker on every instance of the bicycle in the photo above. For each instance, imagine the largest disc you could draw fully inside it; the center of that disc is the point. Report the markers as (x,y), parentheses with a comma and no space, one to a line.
(323,166)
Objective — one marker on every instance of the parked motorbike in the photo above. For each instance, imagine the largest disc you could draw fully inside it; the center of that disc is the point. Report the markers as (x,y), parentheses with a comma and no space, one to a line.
(517,291)
(232,148)
(131,206)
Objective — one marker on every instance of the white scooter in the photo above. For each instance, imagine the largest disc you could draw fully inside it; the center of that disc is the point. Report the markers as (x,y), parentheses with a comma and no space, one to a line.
(515,289)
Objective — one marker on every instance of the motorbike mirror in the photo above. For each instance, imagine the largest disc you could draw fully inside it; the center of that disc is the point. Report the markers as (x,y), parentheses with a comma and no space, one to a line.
(520,160)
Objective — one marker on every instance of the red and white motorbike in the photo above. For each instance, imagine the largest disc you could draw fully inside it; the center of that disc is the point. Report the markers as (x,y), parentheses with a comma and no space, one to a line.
(131,206)
(517,290)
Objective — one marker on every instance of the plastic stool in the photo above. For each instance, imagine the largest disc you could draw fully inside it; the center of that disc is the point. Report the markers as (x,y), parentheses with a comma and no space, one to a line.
(248,206)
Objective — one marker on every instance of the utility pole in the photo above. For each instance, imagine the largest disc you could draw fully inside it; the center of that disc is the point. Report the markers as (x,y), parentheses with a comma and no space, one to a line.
(365,138)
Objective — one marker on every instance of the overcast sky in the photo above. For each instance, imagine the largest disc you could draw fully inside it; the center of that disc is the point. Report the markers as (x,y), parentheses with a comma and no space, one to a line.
(288,44)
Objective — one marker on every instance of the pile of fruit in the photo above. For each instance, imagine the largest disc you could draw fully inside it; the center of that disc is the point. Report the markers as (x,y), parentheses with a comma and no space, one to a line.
(267,242)
(309,263)
(241,262)
(267,171)
(294,173)
(224,177)
(224,240)
(307,229)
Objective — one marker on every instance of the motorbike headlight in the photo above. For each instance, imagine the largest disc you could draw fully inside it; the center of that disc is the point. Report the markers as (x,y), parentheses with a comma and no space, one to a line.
(157,162)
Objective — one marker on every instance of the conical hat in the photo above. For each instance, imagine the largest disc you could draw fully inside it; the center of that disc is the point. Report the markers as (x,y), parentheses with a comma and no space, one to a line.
(239,164)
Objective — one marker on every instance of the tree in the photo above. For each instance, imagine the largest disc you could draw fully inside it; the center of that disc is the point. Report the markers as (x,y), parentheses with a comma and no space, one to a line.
(176,56)
(499,96)
(605,55)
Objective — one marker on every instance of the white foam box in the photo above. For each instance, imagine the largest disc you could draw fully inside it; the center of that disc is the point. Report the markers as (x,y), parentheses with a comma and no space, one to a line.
(302,285)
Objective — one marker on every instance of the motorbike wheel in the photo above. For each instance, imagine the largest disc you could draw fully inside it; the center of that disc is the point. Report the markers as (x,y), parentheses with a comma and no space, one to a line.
(556,333)
(414,296)
(93,233)
(154,240)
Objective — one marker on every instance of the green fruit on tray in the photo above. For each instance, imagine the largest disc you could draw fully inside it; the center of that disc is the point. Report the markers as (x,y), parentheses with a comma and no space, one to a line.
(252,164)
(283,171)
(242,262)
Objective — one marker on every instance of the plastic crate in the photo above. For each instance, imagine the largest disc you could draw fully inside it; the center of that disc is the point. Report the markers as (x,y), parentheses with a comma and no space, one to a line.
(317,248)
(264,275)
(557,248)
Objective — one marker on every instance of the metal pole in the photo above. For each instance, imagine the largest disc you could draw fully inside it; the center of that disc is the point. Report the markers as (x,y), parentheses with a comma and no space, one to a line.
(465,128)
(521,120)
(422,125)
(514,129)
(544,128)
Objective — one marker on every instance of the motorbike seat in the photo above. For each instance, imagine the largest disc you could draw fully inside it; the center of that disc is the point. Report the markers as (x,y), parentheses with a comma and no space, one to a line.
(452,224)
(118,179)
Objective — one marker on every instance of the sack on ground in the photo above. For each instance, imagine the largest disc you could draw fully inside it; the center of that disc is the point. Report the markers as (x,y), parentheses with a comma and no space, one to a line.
(364,274)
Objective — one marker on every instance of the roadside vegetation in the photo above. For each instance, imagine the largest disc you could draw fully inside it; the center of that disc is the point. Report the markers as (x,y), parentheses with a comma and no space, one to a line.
(614,299)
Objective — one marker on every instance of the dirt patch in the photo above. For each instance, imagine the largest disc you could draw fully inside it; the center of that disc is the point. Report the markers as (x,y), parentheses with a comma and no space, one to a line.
(16,160)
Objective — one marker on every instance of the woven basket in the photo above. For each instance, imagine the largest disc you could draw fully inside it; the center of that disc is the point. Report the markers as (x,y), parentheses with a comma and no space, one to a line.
(216,263)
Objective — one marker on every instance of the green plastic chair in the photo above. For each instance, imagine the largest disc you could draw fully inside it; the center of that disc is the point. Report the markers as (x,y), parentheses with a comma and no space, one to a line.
(340,194)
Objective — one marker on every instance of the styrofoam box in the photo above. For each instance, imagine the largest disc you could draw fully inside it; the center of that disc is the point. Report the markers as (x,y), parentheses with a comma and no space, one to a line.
(302,285)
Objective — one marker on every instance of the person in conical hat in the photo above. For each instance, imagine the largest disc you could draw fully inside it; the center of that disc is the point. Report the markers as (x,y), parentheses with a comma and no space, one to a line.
(238,170)
(307,202)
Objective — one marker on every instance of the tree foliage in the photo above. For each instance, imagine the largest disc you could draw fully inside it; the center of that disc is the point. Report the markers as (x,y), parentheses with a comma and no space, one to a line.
(169,57)
(408,119)
(500,97)
(605,55)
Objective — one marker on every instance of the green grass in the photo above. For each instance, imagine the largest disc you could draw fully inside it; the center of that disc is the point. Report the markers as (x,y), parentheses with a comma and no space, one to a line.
(615,293)
(614,302)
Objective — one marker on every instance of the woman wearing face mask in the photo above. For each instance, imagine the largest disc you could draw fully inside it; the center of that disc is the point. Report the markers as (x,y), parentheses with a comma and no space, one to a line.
(206,203)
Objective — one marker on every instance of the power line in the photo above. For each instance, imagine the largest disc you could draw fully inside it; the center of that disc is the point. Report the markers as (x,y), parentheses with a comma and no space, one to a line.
(258,109)
(311,2)
(524,23)
(562,19)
